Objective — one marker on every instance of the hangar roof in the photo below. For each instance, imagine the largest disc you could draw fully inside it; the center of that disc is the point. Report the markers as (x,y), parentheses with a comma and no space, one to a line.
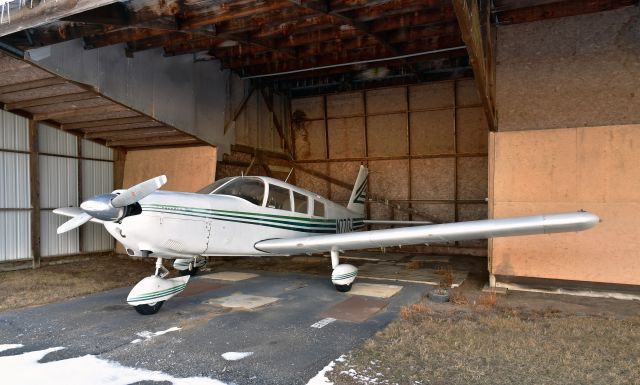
(324,45)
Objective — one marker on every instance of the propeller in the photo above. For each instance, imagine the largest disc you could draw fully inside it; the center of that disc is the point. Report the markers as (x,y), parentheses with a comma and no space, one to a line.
(113,207)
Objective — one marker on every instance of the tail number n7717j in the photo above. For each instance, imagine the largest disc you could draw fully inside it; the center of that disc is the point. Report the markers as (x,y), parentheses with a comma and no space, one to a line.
(344,225)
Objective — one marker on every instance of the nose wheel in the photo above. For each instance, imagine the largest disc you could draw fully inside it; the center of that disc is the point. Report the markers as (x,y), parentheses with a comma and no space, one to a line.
(148,296)
(149,309)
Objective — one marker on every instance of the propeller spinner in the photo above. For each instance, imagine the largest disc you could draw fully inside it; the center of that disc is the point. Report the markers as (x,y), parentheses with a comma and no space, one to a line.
(112,207)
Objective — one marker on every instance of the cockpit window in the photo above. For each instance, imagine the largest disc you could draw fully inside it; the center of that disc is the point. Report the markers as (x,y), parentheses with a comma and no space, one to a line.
(208,189)
(279,198)
(250,189)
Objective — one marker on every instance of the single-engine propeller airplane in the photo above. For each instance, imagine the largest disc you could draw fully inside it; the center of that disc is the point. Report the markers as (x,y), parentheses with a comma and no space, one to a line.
(261,216)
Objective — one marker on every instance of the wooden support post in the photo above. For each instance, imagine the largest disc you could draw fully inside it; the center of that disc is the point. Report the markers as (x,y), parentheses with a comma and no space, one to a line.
(34,186)
(408,122)
(239,110)
(469,21)
(269,102)
(119,157)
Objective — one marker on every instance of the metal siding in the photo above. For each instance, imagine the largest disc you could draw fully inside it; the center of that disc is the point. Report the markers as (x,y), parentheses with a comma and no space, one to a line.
(14,132)
(95,150)
(54,141)
(58,182)
(14,179)
(15,235)
(50,242)
(97,178)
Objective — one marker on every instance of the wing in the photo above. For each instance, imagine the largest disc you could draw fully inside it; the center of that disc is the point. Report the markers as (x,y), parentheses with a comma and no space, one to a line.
(396,223)
(73,212)
(461,231)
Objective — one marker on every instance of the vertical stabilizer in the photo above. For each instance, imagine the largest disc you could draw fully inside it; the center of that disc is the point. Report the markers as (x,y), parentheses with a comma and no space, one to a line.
(359,193)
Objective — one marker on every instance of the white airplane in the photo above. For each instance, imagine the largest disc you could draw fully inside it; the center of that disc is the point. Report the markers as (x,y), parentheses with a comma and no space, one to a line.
(261,216)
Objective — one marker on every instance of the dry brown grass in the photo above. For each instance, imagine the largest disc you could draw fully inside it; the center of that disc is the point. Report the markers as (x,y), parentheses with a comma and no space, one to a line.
(495,347)
(54,283)
(457,297)
(487,299)
(412,311)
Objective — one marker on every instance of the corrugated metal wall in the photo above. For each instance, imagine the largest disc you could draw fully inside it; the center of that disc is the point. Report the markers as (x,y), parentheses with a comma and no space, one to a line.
(59,167)
(97,178)
(15,215)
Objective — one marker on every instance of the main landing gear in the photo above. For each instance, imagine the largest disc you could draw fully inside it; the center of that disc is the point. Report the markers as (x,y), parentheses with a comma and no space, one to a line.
(148,296)
(343,275)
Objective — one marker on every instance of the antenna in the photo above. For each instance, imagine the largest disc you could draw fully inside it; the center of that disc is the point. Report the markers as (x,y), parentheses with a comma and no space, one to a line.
(285,181)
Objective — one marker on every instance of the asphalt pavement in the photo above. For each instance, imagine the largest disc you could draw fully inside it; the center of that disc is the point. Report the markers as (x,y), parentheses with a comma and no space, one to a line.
(190,334)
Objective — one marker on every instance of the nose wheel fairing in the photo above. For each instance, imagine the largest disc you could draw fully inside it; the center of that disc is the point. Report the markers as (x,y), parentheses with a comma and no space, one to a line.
(154,289)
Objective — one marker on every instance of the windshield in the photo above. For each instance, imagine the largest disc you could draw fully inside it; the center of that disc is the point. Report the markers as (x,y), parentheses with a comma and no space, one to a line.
(247,188)
(213,186)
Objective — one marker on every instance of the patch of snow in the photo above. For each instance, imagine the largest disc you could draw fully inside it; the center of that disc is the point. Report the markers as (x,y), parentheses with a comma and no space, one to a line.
(148,335)
(321,378)
(10,346)
(24,369)
(235,356)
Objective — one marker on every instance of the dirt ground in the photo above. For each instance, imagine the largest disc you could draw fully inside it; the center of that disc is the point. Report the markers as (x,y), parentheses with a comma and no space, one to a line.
(480,338)
(53,283)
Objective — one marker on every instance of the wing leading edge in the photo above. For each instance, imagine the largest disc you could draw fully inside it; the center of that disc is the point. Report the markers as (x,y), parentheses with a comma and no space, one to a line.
(461,231)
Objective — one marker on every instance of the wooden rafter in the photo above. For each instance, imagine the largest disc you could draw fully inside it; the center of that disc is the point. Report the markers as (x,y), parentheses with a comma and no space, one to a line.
(469,20)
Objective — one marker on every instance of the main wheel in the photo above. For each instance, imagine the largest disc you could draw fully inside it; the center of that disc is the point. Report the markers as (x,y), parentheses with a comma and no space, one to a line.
(192,270)
(149,309)
(343,288)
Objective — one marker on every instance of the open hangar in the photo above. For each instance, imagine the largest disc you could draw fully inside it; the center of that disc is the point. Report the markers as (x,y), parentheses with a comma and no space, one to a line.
(546,124)
(461,110)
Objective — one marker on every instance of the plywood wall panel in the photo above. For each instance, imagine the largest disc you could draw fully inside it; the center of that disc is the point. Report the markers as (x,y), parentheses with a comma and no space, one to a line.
(386,100)
(432,132)
(472,178)
(310,140)
(312,183)
(437,212)
(389,179)
(345,172)
(311,107)
(430,96)
(346,104)
(467,93)
(387,135)
(346,138)
(472,130)
(433,178)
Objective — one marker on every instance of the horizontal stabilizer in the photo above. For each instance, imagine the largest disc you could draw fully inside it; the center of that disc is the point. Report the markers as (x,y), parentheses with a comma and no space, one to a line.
(448,232)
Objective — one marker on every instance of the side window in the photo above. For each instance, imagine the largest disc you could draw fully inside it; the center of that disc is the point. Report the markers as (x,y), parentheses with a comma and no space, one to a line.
(301,203)
(279,198)
(318,209)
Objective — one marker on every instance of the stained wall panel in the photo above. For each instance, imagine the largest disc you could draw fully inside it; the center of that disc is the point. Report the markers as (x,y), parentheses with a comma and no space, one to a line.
(345,104)
(387,135)
(432,132)
(346,138)
(311,140)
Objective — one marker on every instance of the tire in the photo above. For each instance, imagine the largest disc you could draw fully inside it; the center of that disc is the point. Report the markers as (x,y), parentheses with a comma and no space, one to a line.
(149,309)
(439,297)
(343,288)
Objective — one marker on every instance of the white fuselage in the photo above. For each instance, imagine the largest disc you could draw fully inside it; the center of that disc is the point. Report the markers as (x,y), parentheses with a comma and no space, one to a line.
(178,225)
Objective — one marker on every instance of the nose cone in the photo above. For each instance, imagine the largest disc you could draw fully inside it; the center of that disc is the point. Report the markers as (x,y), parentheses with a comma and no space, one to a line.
(100,207)
(589,219)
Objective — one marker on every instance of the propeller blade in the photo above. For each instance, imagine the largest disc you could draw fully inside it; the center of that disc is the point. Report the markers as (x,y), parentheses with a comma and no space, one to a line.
(74,222)
(139,191)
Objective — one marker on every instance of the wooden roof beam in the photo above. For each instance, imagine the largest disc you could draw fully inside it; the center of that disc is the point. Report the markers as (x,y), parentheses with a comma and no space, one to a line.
(153,141)
(32,84)
(44,12)
(78,112)
(50,100)
(106,122)
(468,15)
(559,9)
(160,131)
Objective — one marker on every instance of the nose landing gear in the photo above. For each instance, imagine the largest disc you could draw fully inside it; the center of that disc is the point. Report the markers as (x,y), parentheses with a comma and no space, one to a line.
(148,296)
